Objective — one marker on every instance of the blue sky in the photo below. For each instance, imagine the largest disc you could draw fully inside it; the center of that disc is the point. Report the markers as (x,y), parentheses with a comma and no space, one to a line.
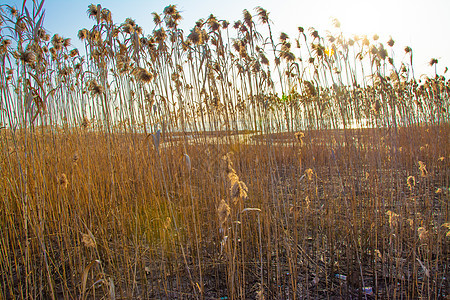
(422,25)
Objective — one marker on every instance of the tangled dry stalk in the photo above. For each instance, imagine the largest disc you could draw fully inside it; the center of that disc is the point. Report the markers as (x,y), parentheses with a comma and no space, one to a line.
(222,164)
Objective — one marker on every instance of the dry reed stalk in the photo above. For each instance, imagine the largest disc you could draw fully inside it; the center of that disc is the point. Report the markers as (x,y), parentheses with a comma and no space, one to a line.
(355,110)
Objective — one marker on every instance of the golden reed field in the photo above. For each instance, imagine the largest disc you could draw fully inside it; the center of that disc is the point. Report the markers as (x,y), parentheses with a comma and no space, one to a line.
(220,163)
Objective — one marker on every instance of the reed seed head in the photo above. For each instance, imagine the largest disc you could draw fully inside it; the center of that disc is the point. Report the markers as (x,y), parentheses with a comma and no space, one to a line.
(57,40)
(393,219)
(422,233)
(310,174)
(28,57)
(239,191)
(66,42)
(390,42)
(376,107)
(170,10)
(232,178)
(423,169)
(92,11)
(223,211)
(75,158)
(88,240)
(62,181)
(106,15)
(160,35)
(143,75)
(263,14)
(247,18)
(288,56)
(299,136)
(264,59)
(13,11)
(336,23)
(156,18)
(74,52)
(83,34)
(411,181)
(95,88)
(283,37)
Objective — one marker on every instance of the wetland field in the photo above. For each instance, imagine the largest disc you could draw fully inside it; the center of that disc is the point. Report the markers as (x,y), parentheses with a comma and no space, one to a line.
(224,162)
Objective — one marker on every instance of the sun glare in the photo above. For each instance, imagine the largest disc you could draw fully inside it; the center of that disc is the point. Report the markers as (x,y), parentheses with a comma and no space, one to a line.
(232,153)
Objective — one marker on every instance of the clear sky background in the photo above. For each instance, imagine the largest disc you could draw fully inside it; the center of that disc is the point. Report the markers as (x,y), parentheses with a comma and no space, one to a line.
(422,25)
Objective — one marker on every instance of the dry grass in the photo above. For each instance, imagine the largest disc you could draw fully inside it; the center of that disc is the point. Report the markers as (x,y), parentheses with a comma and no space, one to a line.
(168,167)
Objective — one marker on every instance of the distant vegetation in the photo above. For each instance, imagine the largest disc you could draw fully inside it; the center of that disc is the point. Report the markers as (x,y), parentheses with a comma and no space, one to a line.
(221,163)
